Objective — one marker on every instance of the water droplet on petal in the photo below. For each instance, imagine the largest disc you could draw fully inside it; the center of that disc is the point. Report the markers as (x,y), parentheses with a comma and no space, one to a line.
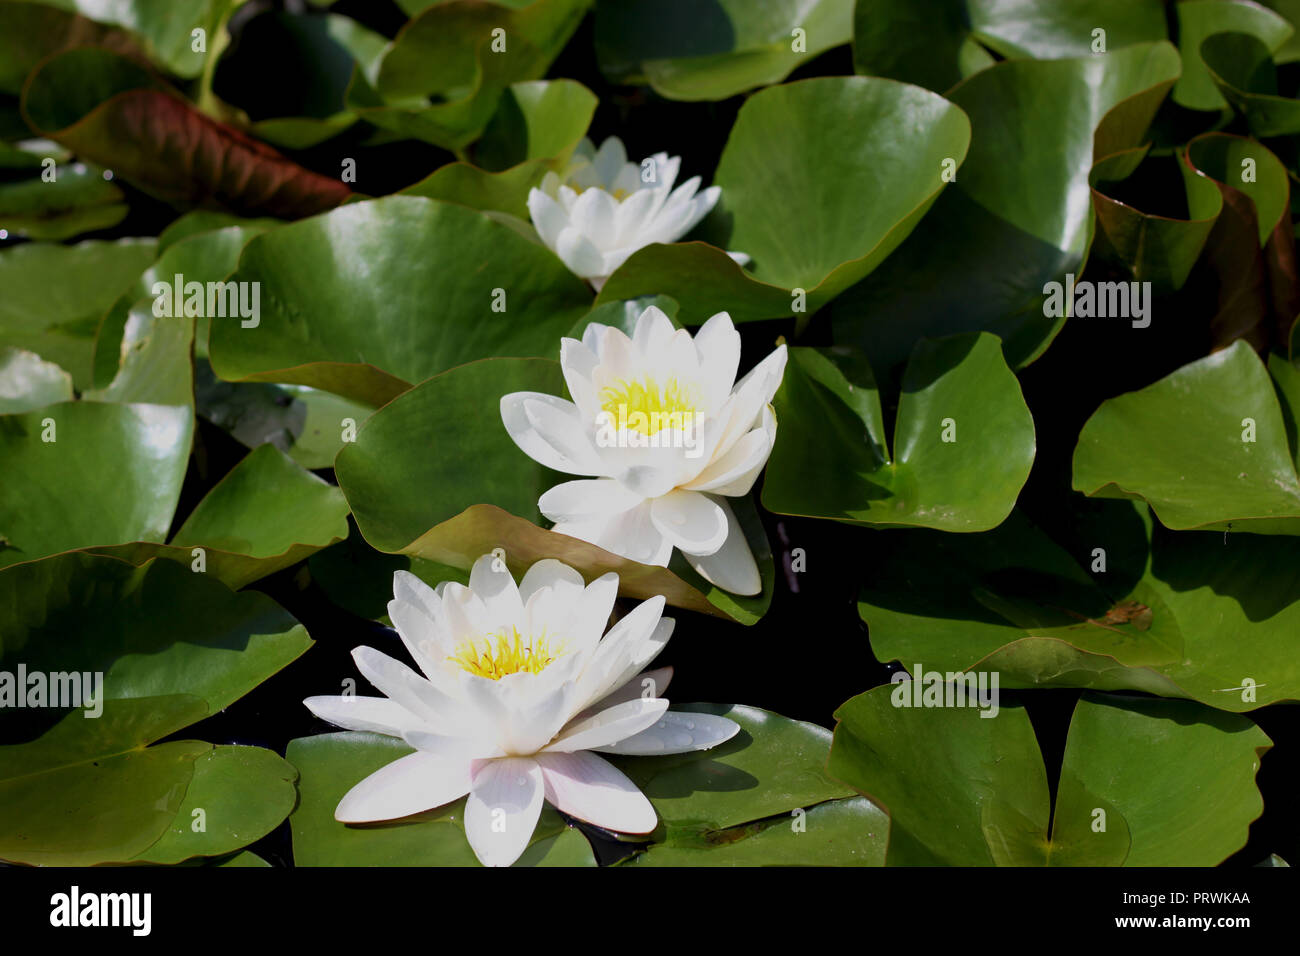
(690,725)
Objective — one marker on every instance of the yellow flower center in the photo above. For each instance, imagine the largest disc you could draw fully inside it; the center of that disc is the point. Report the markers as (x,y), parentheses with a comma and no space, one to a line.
(646,408)
(497,655)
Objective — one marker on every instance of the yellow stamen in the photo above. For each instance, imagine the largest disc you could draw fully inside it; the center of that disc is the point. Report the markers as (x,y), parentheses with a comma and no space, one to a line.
(498,655)
(645,408)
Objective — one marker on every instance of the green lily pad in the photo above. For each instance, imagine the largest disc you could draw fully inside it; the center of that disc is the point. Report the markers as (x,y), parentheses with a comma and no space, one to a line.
(1242,69)
(78,200)
(440,79)
(1022,196)
(237,796)
(847,832)
(55,296)
(795,160)
(27,381)
(1155,248)
(267,514)
(1251,249)
(113,112)
(425,274)
(1213,448)
(112,474)
(1171,614)
(938,43)
(1198,19)
(535,129)
(690,51)
(772,768)
(172,647)
(405,480)
(962,448)
(332,764)
(965,791)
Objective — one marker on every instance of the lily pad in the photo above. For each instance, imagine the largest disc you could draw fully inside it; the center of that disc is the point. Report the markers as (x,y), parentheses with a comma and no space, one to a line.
(1055,117)
(80,474)
(1251,250)
(27,381)
(1155,248)
(172,647)
(761,798)
(266,514)
(79,200)
(536,127)
(795,174)
(443,74)
(962,448)
(1242,69)
(1168,613)
(1213,448)
(438,285)
(693,51)
(55,296)
(966,791)
(938,43)
(405,480)
(1198,19)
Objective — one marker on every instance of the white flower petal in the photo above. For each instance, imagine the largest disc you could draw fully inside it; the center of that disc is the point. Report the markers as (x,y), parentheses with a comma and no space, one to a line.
(401,684)
(579,252)
(587,498)
(494,585)
(375,715)
(459,750)
(646,684)
(524,433)
(630,535)
(694,523)
(718,345)
(593,215)
(504,803)
(552,574)
(411,784)
(609,726)
(548,217)
(734,473)
(676,732)
(590,788)
(732,566)
(557,422)
(609,159)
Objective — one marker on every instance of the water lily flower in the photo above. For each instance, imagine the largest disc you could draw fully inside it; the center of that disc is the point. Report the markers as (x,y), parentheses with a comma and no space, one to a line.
(518,696)
(664,439)
(603,208)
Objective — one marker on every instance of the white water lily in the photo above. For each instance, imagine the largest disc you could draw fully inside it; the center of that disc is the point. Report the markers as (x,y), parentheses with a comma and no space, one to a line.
(664,437)
(604,208)
(519,693)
